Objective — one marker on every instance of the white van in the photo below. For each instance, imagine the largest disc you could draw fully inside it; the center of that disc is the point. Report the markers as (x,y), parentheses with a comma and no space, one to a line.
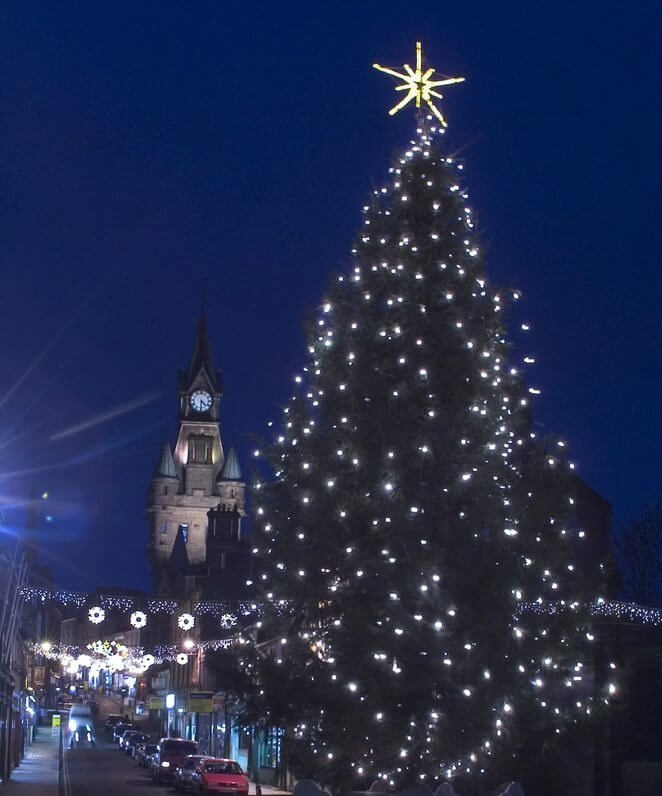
(79,716)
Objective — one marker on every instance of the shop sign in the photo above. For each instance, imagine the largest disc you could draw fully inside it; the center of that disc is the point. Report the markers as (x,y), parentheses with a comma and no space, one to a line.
(156,703)
(218,702)
(38,675)
(200,701)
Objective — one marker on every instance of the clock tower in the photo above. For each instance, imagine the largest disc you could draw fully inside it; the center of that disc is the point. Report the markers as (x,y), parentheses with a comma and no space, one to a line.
(198,477)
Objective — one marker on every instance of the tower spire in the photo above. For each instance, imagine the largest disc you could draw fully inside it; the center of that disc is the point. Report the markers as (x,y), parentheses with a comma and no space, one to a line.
(203,294)
(201,356)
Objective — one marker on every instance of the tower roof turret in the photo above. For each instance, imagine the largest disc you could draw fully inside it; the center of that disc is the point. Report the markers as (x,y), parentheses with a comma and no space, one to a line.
(166,466)
(231,470)
(179,562)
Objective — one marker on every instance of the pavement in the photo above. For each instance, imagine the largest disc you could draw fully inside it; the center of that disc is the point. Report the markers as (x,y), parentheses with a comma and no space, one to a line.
(267,790)
(38,772)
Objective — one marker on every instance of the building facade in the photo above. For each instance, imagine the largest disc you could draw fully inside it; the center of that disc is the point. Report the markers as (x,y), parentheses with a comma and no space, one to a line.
(198,476)
(199,551)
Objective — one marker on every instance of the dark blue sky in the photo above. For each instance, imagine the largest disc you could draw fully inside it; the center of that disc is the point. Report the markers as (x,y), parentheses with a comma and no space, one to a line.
(145,146)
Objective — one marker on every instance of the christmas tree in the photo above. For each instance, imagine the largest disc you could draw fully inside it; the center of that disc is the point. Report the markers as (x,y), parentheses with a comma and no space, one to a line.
(416,544)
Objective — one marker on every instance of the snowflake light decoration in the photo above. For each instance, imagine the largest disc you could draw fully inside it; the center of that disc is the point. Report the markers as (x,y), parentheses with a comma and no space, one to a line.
(115,663)
(148,660)
(228,620)
(96,615)
(182,658)
(138,619)
(186,621)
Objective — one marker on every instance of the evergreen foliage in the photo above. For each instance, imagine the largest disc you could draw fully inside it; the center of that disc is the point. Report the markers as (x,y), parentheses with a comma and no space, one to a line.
(413,518)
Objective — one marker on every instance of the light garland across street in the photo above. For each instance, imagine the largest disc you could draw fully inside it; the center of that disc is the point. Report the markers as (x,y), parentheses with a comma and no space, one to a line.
(606,609)
(230,610)
(108,654)
(111,655)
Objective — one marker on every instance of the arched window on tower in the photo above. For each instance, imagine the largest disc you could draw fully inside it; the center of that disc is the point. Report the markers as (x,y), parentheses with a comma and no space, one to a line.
(200,449)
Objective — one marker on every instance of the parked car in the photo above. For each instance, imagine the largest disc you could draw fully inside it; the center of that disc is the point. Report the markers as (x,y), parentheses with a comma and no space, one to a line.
(171,753)
(184,770)
(120,728)
(124,737)
(111,721)
(133,738)
(143,752)
(216,775)
(132,751)
(151,760)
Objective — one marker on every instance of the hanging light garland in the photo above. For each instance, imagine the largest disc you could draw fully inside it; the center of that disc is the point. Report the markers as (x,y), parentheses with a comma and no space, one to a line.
(127,603)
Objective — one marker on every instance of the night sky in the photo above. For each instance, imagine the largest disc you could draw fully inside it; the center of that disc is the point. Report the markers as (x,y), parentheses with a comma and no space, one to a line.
(148,148)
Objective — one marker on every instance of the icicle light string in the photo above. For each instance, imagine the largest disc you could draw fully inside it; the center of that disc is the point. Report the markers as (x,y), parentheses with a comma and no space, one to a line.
(225,610)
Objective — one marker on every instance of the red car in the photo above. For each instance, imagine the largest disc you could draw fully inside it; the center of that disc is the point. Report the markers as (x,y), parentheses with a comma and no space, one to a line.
(215,775)
(170,753)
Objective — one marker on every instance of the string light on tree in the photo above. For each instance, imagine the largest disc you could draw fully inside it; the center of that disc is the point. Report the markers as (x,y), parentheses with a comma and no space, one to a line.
(412,515)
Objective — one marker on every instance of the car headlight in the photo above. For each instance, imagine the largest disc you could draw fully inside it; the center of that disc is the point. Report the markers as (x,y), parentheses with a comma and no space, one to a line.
(165,764)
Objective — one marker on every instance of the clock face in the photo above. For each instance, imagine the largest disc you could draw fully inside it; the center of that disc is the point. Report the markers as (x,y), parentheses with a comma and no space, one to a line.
(201,401)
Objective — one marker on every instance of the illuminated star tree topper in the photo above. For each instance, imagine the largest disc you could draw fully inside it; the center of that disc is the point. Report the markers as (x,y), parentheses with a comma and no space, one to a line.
(419,85)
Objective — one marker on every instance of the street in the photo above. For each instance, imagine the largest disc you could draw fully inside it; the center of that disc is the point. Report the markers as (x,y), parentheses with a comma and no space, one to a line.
(105,770)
